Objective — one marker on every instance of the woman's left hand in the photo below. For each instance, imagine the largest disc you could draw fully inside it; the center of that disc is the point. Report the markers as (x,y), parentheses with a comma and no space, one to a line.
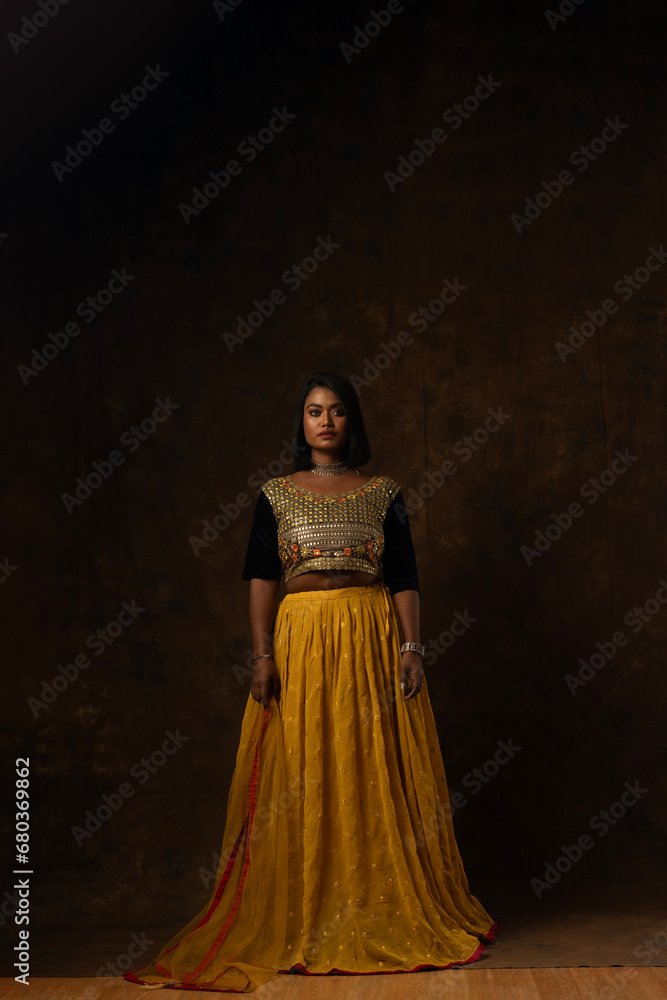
(412,674)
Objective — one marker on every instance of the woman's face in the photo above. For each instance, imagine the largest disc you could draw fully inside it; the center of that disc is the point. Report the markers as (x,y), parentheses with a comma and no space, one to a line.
(325,424)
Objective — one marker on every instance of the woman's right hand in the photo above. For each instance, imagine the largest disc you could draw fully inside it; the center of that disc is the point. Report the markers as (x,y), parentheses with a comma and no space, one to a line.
(265,681)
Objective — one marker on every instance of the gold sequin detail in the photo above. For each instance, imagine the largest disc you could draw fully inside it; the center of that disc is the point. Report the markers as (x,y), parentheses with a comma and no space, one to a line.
(335,531)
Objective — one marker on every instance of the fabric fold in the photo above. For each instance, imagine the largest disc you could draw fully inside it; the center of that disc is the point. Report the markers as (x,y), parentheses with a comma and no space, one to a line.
(339,853)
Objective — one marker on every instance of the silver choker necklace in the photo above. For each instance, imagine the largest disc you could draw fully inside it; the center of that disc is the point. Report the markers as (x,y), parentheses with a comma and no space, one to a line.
(334,469)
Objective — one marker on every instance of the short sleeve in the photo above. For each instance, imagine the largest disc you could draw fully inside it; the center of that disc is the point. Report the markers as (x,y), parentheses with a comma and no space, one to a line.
(262,559)
(399,566)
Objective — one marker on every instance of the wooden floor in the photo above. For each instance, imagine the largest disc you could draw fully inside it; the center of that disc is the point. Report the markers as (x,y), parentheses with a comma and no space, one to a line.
(624,983)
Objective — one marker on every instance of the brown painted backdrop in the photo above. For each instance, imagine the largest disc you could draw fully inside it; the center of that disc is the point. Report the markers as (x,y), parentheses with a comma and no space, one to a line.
(458,248)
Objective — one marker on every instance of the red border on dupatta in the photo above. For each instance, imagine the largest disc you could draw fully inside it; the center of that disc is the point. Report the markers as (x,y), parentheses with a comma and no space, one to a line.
(252,804)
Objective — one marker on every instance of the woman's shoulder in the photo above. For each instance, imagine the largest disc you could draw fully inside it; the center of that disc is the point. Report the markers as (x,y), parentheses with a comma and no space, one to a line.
(388,483)
(273,488)
(385,490)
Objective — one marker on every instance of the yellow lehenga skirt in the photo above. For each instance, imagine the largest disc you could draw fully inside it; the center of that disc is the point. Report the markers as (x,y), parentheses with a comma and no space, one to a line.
(338,852)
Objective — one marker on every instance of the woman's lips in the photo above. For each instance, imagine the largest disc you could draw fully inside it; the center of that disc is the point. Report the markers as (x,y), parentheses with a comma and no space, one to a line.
(326,434)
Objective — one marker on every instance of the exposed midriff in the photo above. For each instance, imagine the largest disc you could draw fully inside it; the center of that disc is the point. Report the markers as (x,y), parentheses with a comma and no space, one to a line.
(329,580)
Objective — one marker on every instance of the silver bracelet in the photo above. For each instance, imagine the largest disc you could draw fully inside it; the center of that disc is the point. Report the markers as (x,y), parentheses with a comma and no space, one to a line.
(263,656)
(414,647)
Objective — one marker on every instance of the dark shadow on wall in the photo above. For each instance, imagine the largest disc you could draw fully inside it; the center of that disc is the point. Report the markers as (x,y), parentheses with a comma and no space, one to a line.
(484,187)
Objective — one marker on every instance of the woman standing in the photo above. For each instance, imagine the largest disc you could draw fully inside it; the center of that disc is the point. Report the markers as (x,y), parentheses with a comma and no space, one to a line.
(339,851)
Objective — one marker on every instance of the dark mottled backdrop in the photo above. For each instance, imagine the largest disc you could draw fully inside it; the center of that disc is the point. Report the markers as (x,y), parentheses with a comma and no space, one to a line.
(493,271)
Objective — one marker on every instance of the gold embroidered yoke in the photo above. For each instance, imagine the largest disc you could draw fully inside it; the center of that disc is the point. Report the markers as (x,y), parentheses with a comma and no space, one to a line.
(340,531)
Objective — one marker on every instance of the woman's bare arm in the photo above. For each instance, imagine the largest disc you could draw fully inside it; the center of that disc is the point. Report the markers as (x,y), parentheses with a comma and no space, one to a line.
(407,606)
(262,606)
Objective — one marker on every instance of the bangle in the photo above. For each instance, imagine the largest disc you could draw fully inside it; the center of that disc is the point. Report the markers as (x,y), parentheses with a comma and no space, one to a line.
(414,647)
(263,656)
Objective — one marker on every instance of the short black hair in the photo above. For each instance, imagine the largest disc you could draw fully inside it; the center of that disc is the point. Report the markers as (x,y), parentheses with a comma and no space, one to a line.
(358,449)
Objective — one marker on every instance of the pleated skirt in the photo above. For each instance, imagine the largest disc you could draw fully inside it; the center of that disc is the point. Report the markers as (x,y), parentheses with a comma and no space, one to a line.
(338,853)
